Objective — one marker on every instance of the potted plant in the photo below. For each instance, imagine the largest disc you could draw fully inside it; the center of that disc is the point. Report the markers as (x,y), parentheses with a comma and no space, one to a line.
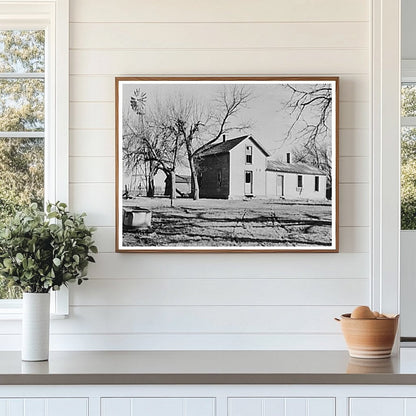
(40,252)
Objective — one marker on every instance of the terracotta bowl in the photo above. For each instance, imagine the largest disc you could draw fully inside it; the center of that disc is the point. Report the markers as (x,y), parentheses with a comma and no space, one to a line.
(369,338)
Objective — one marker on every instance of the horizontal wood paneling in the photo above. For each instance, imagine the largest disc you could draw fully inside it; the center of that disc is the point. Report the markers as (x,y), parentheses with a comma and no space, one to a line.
(90,169)
(98,88)
(201,319)
(354,142)
(96,199)
(221,35)
(354,115)
(194,320)
(218,11)
(354,208)
(104,238)
(94,143)
(92,115)
(229,265)
(354,239)
(255,301)
(145,342)
(354,170)
(219,62)
(220,291)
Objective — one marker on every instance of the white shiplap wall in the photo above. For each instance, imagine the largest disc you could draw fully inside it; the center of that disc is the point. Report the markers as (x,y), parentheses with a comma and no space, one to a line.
(218,301)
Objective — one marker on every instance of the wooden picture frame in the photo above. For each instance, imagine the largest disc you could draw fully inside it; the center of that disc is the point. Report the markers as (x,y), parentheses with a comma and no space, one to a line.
(227,164)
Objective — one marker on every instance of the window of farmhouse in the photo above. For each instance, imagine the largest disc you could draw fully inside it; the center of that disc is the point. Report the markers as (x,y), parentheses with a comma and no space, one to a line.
(249,155)
(22,124)
(316,183)
(300,181)
(408,156)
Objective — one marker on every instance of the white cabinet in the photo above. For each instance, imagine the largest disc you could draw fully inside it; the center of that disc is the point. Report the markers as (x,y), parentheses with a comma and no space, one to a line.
(382,406)
(44,407)
(270,406)
(160,406)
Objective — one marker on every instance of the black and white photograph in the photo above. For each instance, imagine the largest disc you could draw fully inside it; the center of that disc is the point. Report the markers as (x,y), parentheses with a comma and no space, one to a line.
(226,164)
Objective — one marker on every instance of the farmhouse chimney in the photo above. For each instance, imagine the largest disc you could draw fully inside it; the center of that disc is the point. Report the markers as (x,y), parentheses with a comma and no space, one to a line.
(288,157)
(223,138)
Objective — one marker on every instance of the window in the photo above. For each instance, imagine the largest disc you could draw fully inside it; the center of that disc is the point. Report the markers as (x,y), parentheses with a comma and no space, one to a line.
(316,183)
(408,156)
(248,182)
(219,177)
(22,124)
(288,158)
(300,181)
(249,155)
(33,112)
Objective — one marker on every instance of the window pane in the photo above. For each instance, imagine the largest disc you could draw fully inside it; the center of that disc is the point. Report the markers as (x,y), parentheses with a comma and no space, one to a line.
(21,182)
(21,173)
(408,178)
(22,104)
(316,183)
(22,51)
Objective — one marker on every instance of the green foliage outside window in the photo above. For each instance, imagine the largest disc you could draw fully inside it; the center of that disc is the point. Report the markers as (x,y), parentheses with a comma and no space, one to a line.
(21,110)
(408,160)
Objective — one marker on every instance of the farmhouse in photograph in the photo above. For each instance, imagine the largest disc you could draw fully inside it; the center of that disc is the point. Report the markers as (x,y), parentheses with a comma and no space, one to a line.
(241,167)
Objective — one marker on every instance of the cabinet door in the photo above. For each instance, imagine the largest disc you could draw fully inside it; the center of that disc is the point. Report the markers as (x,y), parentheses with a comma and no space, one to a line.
(270,406)
(376,406)
(160,406)
(44,407)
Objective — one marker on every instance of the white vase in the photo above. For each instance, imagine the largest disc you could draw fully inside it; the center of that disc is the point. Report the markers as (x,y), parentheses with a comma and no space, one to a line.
(35,326)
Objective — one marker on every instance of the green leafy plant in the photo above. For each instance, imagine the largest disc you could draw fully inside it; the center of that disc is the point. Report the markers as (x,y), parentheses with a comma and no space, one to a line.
(43,251)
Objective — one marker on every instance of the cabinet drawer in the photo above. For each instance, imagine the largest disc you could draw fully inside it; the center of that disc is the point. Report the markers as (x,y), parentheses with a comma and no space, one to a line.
(280,406)
(158,406)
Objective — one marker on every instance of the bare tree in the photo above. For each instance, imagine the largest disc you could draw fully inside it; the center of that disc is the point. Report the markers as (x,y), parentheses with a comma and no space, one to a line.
(151,140)
(310,106)
(227,104)
(196,122)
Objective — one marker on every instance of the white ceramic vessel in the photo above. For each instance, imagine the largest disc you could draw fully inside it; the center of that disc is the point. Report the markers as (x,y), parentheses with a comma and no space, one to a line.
(35,326)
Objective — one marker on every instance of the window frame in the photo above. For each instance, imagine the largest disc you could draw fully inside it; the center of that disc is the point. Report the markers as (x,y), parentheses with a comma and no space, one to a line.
(317,183)
(53,17)
(300,181)
(249,155)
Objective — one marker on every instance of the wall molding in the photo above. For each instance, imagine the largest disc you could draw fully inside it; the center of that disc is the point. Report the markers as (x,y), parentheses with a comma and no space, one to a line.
(385,99)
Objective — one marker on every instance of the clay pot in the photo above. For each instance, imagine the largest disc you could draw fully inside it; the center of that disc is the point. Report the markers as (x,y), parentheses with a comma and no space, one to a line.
(369,338)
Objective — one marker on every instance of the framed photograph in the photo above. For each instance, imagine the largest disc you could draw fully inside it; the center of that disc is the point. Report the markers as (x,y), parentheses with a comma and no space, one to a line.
(234,164)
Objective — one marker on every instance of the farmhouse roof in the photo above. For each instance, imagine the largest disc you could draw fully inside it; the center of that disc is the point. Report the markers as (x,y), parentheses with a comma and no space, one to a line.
(300,168)
(225,147)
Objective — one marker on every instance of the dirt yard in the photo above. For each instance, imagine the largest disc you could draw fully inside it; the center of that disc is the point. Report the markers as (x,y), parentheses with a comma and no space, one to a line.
(219,223)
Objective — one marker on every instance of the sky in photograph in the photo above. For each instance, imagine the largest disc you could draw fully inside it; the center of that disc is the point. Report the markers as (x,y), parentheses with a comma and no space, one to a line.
(266,113)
